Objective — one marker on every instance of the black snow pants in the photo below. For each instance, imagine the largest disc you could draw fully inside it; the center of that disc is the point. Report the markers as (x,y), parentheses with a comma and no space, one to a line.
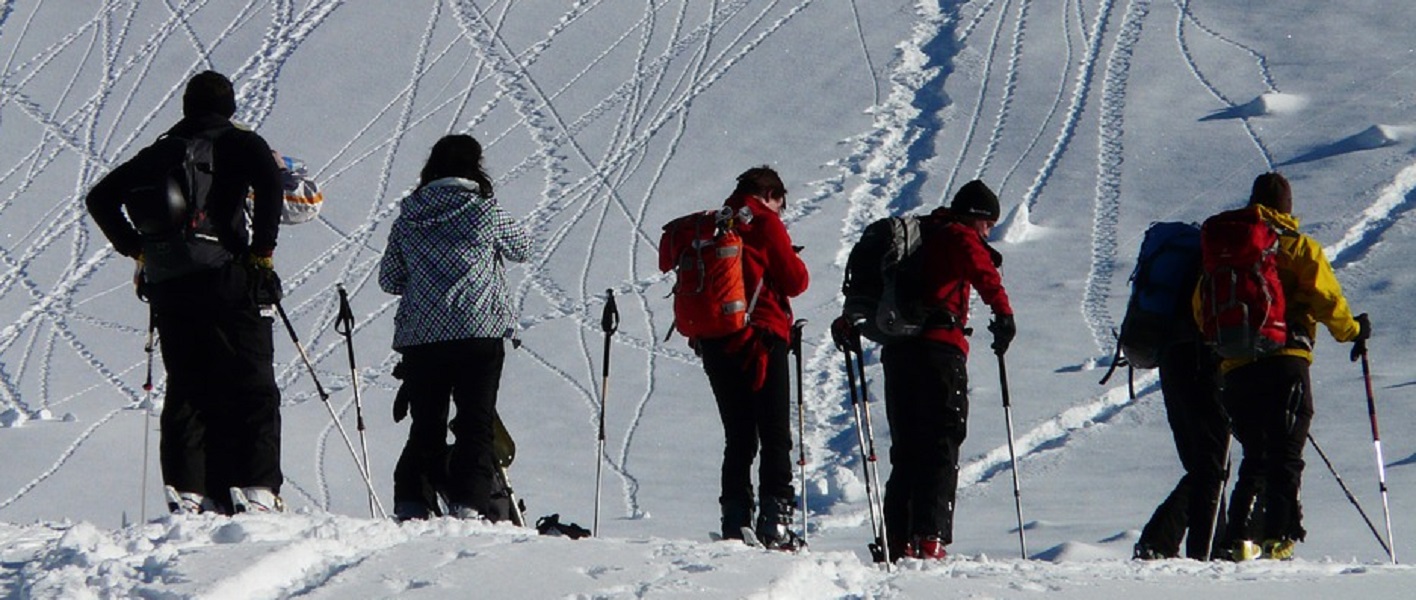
(927,405)
(753,419)
(1271,404)
(465,374)
(221,417)
(1189,382)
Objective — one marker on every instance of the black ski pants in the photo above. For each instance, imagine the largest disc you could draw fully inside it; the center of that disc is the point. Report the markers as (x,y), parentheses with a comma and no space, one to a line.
(1189,383)
(221,416)
(461,373)
(753,420)
(1271,404)
(927,405)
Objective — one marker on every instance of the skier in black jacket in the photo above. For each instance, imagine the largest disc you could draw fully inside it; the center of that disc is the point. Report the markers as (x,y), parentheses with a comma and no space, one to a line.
(221,418)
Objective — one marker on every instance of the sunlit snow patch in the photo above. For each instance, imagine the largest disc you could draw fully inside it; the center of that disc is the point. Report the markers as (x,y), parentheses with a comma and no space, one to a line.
(1017,227)
(1278,104)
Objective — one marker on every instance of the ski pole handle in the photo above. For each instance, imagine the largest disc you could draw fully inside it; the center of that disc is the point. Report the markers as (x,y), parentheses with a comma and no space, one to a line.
(344,323)
(610,318)
(795,344)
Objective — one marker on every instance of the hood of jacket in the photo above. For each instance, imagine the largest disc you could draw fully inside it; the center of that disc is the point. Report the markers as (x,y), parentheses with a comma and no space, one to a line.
(1281,220)
(440,201)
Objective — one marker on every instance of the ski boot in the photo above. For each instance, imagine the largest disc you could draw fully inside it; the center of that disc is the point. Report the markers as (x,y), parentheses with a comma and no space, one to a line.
(737,517)
(186,503)
(928,547)
(1279,549)
(410,510)
(774,527)
(1245,550)
(256,499)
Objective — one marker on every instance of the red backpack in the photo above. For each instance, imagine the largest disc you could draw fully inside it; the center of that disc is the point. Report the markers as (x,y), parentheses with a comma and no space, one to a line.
(1241,298)
(704,251)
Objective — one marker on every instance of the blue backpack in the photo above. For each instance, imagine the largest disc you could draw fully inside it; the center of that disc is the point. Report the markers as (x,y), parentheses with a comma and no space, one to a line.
(1158,314)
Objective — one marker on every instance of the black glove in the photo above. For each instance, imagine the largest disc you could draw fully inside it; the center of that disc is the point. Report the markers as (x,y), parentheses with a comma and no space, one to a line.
(1364,331)
(1004,329)
(400,407)
(844,333)
(400,400)
(140,279)
(262,280)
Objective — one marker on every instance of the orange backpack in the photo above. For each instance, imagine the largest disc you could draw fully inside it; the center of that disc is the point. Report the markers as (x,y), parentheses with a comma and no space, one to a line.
(704,251)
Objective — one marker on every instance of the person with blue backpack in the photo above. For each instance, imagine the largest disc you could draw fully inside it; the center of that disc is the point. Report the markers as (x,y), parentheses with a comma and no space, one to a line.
(1157,332)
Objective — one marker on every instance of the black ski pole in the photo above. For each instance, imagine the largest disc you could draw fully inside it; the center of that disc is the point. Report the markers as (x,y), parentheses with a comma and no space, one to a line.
(324,398)
(873,463)
(149,348)
(1012,454)
(1219,501)
(801,423)
(1377,445)
(344,326)
(609,323)
(1350,498)
(848,342)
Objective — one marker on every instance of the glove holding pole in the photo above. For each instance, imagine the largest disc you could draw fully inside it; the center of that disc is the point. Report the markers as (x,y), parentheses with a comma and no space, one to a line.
(609,323)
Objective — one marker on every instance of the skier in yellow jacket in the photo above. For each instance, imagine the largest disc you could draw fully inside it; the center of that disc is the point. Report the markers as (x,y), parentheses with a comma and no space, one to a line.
(1270,398)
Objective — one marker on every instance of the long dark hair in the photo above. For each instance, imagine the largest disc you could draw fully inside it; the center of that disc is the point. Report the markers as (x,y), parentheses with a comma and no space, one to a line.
(456,155)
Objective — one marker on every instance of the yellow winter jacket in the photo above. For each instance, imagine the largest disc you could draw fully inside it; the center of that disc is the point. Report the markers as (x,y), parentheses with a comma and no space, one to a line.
(1310,289)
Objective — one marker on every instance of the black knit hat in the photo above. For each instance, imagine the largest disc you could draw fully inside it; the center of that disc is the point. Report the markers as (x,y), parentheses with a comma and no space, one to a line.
(1272,190)
(209,92)
(977,201)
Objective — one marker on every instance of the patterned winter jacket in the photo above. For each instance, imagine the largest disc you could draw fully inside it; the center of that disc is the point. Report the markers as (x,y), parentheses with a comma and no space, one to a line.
(444,257)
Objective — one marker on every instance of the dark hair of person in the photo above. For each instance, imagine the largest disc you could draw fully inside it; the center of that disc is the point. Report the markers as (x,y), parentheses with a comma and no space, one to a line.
(456,155)
(760,181)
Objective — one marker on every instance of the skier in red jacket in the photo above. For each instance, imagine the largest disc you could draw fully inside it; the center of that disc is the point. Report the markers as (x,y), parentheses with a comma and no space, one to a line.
(749,373)
(926,377)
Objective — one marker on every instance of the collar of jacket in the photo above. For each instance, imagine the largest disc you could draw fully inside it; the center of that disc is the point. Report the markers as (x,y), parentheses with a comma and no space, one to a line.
(752,202)
(1278,219)
(203,122)
(441,200)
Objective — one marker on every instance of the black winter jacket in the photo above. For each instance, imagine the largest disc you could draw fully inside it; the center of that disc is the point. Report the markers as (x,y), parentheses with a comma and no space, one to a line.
(243,165)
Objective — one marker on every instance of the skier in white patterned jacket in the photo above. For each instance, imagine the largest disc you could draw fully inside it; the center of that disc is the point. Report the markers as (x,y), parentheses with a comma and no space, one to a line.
(444,257)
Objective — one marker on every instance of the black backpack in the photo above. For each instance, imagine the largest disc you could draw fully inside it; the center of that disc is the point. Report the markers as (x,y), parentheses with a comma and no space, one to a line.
(884,282)
(169,208)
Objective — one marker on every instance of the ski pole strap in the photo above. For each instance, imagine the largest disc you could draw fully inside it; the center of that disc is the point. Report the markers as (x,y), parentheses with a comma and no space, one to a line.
(344,323)
(609,319)
(1116,361)
(795,344)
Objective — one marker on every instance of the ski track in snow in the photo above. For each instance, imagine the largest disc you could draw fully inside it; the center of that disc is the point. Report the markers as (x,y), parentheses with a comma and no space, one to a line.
(582,187)
(1107,203)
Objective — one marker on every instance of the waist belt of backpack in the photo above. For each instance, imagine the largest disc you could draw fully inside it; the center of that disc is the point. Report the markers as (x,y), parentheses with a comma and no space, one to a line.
(943,319)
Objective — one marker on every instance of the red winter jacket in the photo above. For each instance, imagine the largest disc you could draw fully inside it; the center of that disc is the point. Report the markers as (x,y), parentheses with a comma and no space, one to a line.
(957,260)
(770,259)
